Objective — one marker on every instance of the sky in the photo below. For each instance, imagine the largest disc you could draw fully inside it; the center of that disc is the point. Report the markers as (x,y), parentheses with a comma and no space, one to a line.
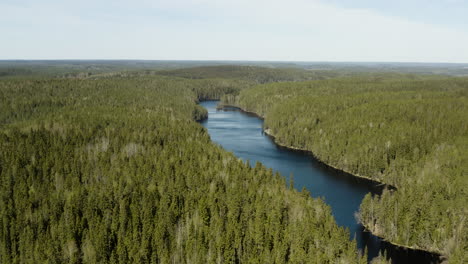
(254,30)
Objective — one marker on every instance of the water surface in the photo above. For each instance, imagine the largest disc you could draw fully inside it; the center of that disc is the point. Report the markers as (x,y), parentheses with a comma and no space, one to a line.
(242,134)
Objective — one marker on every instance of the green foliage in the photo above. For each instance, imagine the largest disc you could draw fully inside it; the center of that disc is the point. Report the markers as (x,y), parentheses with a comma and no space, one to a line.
(214,89)
(380,259)
(408,131)
(250,73)
(116,170)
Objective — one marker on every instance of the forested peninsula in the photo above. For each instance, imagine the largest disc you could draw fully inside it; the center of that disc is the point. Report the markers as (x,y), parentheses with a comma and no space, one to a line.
(407,131)
(114,168)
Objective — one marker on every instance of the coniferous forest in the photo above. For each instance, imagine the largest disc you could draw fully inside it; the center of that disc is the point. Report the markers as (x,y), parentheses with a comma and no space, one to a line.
(117,170)
(114,167)
(409,132)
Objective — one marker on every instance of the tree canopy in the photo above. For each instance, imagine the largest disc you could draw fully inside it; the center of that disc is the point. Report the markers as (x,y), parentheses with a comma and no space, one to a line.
(116,170)
(407,131)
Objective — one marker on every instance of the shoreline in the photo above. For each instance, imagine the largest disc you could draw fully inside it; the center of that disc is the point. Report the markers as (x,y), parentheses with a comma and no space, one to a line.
(280,144)
(378,183)
(434,254)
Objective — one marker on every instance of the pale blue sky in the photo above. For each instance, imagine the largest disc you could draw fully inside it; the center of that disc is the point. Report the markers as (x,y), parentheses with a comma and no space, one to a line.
(451,13)
(293,30)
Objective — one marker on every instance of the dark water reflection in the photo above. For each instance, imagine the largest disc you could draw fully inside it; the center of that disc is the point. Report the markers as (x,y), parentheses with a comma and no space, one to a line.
(242,134)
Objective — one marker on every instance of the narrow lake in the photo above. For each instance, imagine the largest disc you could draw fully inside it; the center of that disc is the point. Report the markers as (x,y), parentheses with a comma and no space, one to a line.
(242,134)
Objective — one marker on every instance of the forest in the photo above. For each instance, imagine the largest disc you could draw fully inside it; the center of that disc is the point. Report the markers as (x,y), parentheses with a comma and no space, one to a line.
(407,131)
(117,170)
(106,163)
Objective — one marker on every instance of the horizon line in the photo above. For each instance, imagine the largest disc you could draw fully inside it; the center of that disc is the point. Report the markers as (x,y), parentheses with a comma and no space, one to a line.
(230,60)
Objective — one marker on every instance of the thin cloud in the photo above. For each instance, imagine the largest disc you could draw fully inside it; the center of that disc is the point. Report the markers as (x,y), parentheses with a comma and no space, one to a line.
(223,30)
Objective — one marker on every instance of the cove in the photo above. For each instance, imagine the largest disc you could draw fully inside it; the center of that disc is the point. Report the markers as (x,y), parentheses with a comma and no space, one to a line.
(242,134)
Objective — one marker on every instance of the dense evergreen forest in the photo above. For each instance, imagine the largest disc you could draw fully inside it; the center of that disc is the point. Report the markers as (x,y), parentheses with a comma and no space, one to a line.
(407,131)
(251,73)
(258,70)
(117,170)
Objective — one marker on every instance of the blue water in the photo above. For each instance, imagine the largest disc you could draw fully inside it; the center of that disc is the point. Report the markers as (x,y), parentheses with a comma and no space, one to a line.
(242,134)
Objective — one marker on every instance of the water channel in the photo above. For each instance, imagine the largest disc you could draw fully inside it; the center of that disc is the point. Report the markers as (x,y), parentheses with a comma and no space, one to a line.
(242,134)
